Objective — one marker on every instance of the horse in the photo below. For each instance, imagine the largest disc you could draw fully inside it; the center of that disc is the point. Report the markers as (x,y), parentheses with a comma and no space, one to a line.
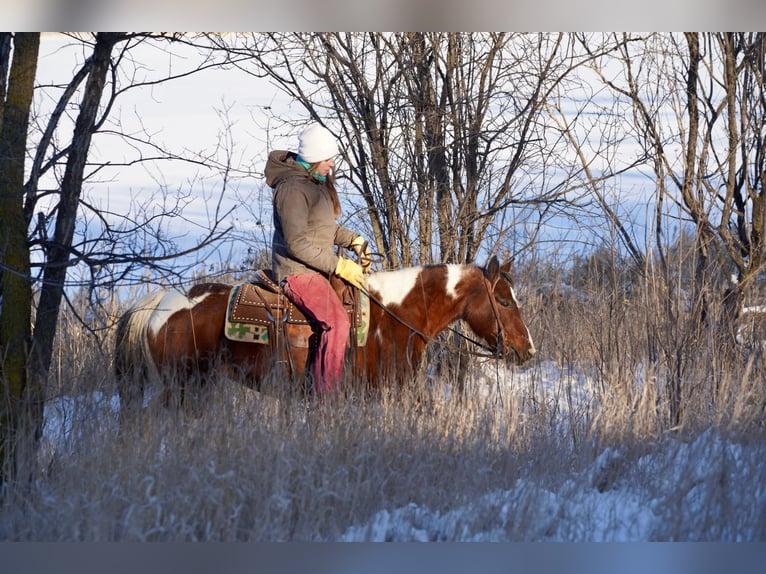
(171,336)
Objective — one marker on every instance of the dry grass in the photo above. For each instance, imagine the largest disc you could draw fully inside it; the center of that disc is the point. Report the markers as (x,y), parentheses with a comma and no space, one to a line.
(254,467)
(258,468)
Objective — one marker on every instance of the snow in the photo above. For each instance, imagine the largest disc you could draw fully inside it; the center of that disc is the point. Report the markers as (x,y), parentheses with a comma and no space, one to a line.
(574,512)
(677,480)
(69,418)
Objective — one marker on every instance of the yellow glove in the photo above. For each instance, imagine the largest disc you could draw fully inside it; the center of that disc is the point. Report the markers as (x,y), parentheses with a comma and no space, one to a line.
(362,249)
(351,272)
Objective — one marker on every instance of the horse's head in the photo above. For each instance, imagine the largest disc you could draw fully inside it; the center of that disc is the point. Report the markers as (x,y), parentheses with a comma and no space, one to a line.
(495,316)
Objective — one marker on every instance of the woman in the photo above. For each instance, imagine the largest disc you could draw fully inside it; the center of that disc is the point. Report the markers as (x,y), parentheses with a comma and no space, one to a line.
(306,208)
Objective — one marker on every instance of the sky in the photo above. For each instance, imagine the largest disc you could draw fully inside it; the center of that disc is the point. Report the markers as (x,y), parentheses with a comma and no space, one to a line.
(194,115)
(198,113)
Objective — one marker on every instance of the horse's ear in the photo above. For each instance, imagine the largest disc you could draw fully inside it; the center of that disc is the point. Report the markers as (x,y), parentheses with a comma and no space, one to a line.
(507,267)
(493,268)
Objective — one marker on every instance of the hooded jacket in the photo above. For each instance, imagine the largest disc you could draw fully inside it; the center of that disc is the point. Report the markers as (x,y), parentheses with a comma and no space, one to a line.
(305,229)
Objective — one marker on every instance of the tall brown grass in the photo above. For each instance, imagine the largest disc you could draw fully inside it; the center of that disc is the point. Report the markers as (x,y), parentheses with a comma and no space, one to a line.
(276,468)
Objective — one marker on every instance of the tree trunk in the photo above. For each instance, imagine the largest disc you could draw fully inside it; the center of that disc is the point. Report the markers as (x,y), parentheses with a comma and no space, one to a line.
(71,188)
(20,403)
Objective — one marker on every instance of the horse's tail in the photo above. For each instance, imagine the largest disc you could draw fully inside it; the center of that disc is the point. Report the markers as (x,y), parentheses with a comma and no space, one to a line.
(133,362)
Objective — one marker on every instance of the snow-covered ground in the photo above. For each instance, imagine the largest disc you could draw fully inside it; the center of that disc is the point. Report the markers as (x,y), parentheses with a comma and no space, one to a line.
(676,481)
(579,511)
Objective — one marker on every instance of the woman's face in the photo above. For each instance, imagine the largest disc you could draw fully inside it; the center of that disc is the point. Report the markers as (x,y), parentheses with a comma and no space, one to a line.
(325,167)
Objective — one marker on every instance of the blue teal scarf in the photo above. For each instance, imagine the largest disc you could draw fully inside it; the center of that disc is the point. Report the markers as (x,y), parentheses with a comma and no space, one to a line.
(307,165)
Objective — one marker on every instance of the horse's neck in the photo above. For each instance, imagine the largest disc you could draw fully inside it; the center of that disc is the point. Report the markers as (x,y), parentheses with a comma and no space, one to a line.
(442,305)
(446,304)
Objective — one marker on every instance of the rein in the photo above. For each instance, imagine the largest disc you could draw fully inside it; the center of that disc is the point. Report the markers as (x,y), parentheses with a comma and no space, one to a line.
(415,330)
(379,258)
(491,353)
(491,294)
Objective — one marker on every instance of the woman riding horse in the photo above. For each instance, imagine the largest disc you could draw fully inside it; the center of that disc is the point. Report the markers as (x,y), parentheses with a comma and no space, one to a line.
(306,208)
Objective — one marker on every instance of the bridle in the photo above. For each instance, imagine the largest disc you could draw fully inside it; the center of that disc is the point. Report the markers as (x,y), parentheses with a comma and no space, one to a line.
(491,353)
(499,350)
(500,345)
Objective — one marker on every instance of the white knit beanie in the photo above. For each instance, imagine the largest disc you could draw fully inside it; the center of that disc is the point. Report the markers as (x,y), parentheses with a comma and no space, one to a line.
(316,143)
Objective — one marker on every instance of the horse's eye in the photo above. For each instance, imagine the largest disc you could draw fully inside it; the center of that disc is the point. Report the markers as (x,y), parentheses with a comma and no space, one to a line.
(503,302)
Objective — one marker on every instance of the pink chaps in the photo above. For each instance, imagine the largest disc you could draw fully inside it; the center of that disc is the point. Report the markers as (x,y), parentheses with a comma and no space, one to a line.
(315,296)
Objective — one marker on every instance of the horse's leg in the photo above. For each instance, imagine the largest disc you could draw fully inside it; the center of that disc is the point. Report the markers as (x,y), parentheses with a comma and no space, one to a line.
(267,370)
(203,376)
(192,350)
(130,367)
(130,389)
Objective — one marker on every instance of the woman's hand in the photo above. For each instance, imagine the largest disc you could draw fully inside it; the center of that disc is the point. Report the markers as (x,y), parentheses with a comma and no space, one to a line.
(360,246)
(351,272)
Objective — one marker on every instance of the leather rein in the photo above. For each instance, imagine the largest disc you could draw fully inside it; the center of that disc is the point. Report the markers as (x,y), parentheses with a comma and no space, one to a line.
(495,353)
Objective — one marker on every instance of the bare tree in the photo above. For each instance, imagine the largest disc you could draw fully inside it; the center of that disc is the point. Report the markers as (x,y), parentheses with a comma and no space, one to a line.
(737,163)
(703,130)
(20,401)
(697,108)
(444,130)
(596,130)
(49,225)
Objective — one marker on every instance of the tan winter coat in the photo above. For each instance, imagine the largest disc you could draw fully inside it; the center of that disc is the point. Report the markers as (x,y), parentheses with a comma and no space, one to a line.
(305,229)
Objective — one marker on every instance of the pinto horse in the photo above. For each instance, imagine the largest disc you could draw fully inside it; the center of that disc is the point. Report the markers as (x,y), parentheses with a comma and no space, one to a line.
(168,334)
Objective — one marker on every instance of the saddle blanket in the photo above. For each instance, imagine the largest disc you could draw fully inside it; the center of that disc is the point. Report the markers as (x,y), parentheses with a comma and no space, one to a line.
(255,309)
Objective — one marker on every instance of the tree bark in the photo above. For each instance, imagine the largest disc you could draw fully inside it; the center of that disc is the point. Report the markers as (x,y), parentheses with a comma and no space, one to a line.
(20,403)
(71,189)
